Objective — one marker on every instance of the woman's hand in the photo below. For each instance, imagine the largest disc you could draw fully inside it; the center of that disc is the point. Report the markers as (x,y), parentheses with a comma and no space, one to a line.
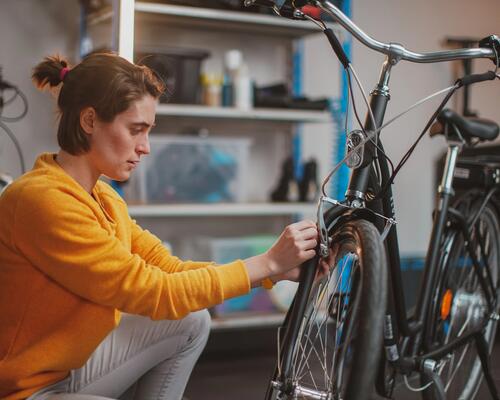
(296,244)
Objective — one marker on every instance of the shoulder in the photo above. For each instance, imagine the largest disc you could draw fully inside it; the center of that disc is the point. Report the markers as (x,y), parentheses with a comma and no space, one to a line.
(42,197)
(104,189)
(31,188)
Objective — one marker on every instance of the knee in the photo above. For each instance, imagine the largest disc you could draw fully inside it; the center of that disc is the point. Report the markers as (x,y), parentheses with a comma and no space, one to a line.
(199,322)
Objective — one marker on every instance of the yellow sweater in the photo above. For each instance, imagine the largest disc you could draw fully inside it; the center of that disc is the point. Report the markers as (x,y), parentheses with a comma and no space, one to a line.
(70,262)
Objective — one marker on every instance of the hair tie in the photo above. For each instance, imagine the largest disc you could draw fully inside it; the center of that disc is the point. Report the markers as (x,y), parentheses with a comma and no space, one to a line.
(63,73)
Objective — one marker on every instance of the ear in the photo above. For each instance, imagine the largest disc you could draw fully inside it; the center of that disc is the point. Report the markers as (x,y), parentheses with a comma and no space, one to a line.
(88,119)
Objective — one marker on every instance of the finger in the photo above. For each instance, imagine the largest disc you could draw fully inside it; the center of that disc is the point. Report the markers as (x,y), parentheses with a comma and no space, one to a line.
(307,254)
(308,244)
(309,233)
(304,224)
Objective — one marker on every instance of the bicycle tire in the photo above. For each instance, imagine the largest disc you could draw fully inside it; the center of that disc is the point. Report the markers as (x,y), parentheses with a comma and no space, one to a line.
(467,305)
(342,328)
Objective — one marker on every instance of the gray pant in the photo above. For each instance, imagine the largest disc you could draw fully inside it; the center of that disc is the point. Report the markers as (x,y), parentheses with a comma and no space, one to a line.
(152,359)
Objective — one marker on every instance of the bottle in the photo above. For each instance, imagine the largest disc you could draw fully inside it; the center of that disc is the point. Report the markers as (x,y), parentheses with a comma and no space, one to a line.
(227,91)
(232,63)
(243,89)
(212,89)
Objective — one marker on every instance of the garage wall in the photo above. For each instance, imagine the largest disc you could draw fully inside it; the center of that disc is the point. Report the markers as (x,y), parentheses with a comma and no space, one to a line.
(30,30)
(420,26)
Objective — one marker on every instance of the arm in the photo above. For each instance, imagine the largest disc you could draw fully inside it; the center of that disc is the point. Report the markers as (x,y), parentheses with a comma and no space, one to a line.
(295,245)
(152,250)
(72,248)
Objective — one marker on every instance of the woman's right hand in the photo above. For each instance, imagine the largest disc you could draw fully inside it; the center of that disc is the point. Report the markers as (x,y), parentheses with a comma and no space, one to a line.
(296,244)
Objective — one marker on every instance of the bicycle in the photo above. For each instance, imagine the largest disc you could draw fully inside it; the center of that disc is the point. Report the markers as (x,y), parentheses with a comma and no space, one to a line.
(349,334)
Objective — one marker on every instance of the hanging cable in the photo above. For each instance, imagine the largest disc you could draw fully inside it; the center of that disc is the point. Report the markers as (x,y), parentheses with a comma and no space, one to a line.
(374,139)
(23,113)
(6,86)
(16,144)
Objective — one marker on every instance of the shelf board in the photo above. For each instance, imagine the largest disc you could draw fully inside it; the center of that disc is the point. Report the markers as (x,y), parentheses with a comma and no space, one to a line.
(221,209)
(227,20)
(198,17)
(257,114)
(257,320)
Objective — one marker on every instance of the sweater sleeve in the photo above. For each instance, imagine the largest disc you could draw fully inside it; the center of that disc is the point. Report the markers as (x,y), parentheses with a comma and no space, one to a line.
(152,250)
(61,236)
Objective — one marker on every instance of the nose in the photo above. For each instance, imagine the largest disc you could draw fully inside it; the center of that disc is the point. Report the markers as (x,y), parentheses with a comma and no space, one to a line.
(142,147)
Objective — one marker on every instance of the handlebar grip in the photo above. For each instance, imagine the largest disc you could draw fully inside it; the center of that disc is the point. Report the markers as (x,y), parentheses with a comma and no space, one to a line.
(475,78)
(337,47)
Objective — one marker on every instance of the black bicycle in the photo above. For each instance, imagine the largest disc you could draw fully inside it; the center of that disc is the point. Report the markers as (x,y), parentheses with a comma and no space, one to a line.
(349,333)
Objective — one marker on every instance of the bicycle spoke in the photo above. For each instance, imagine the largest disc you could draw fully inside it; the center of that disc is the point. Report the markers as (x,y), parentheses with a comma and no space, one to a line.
(339,322)
(317,309)
(317,342)
(457,368)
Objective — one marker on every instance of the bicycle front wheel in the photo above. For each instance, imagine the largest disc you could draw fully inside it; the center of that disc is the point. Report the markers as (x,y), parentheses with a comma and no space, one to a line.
(339,343)
(460,304)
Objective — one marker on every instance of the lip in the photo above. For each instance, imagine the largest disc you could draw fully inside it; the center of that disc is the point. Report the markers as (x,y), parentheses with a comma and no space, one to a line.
(133,163)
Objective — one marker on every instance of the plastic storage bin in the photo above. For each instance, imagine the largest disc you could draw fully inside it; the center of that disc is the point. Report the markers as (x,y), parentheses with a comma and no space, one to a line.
(183,169)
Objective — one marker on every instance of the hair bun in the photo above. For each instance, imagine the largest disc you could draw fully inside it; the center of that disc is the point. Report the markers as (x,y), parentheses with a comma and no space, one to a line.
(50,72)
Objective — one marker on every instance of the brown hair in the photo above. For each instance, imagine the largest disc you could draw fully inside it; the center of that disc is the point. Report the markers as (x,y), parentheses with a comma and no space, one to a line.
(104,81)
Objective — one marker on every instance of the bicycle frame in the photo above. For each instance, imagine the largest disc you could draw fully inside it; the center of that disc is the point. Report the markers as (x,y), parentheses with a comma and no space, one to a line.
(406,328)
(409,357)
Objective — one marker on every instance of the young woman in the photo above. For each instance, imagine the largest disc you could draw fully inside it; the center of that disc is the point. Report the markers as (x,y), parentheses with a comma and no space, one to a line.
(72,260)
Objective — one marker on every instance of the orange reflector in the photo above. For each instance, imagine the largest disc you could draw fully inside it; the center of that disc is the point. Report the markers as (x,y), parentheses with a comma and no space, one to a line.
(446,304)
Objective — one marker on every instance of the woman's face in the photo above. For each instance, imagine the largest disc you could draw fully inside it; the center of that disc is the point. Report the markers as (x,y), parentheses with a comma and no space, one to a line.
(116,147)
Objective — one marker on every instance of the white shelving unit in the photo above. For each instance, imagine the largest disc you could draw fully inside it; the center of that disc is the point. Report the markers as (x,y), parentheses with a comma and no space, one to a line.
(195,20)
(221,210)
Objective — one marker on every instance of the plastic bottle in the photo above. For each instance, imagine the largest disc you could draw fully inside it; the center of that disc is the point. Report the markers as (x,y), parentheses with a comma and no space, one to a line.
(227,91)
(233,60)
(212,86)
(243,89)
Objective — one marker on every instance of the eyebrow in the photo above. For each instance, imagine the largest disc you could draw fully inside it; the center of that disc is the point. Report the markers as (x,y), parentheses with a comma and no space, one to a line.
(142,124)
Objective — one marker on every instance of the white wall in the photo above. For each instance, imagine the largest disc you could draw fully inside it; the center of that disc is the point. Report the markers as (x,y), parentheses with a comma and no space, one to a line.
(420,26)
(29,31)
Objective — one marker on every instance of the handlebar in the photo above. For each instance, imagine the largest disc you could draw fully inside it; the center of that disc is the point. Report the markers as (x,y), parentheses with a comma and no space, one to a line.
(396,50)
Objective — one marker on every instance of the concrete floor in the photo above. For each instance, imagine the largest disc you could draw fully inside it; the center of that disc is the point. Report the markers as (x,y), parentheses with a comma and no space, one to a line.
(238,365)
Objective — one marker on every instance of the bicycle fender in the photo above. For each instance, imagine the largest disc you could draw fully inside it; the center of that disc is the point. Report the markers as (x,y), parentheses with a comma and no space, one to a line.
(337,216)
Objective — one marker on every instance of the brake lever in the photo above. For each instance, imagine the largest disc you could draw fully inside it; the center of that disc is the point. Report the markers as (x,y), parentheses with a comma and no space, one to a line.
(492,42)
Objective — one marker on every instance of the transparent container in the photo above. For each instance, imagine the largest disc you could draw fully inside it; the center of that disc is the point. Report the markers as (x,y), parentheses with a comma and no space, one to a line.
(183,169)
